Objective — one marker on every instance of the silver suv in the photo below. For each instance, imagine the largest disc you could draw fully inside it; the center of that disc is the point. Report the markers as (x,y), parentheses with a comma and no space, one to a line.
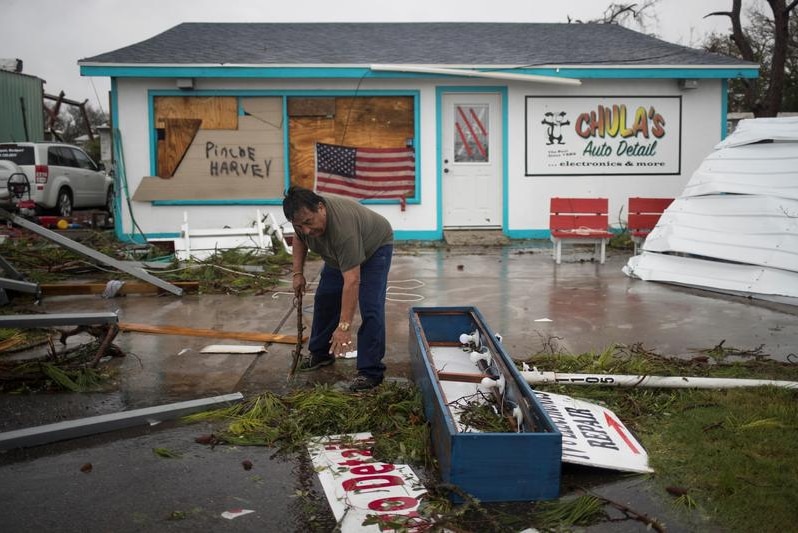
(60,177)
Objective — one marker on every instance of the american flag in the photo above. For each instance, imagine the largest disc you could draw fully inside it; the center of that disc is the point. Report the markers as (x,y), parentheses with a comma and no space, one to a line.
(365,172)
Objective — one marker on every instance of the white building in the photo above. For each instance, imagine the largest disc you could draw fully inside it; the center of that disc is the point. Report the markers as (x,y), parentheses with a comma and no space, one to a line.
(218,119)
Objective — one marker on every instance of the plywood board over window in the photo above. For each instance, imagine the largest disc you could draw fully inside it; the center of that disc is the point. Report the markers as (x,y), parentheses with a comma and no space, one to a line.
(245,162)
(360,121)
(216,112)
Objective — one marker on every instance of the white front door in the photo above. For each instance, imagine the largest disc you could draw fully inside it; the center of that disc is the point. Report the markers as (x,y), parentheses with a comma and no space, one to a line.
(471,164)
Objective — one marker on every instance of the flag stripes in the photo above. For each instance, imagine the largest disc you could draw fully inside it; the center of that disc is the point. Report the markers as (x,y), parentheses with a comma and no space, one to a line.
(365,172)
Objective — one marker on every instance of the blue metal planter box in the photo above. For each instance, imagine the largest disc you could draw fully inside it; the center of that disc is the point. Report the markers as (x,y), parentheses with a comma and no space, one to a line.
(492,467)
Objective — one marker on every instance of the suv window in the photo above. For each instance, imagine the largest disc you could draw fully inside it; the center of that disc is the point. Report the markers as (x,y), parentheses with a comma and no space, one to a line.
(20,155)
(54,157)
(83,160)
(61,156)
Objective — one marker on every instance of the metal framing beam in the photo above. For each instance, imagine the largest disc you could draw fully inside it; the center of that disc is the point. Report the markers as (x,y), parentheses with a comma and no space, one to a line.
(58,319)
(88,252)
(10,271)
(20,286)
(24,438)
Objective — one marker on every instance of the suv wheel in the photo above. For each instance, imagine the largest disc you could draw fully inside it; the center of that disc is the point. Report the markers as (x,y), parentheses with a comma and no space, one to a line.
(109,201)
(63,205)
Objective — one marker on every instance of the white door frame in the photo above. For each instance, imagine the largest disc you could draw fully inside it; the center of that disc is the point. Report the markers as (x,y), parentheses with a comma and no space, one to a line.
(478,190)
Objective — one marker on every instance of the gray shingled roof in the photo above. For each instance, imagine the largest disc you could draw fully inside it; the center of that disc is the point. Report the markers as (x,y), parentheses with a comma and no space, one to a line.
(462,44)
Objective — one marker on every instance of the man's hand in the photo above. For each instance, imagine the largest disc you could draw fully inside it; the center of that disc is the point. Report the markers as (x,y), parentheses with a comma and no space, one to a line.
(341,342)
(299,284)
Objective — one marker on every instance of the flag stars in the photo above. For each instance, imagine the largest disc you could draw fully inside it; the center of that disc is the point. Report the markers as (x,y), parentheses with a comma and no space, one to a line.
(337,160)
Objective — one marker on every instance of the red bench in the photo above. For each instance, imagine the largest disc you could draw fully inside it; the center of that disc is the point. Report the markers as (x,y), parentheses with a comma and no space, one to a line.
(579,221)
(644,213)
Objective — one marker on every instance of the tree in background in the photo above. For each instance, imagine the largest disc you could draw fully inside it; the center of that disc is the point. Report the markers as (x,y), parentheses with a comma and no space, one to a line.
(628,14)
(70,125)
(773,43)
(74,124)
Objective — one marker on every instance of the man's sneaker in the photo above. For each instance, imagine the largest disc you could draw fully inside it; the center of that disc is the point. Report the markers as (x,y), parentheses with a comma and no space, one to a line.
(361,383)
(313,361)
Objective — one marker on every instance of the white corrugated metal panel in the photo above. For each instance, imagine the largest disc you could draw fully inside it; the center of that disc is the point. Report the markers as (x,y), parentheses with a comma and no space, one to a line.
(726,277)
(762,129)
(767,169)
(757,230)
(736,221)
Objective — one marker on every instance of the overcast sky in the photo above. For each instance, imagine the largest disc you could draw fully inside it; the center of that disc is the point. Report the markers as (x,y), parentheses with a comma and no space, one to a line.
(50,36)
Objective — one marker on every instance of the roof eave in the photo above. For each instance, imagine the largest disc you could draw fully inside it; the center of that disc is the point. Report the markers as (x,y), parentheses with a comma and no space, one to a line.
(315,70)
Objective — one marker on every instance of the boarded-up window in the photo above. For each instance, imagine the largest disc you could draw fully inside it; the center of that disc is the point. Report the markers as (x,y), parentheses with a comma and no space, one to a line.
(359,122)
(212,148)
(227,147)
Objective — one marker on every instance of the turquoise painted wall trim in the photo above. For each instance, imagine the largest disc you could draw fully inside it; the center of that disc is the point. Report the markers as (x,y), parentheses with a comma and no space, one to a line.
(243,93)
(245,201)
(152,93)
(438,157)
(117,150)
(439,92)
(361,72)
(258,201)
(400,235)
(286,156)
(542,233)
(724,108)
(528,233)
(505,159)
(138,236)
(153,134)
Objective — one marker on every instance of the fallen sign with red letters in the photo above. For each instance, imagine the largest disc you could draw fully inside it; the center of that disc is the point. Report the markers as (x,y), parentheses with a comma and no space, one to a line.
(360,488)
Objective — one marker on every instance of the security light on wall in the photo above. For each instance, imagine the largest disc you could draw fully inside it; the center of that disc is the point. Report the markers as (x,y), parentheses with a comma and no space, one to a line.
(688,84)
(185,83)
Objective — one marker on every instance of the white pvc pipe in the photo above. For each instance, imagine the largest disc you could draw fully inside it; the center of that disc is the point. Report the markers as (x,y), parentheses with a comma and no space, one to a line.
(477,74)
(667,382)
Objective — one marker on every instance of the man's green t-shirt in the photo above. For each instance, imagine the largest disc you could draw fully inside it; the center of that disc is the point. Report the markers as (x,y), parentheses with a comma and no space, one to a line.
(354,232)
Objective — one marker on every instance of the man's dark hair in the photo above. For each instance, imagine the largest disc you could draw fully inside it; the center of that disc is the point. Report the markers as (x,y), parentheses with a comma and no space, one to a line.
(298,197)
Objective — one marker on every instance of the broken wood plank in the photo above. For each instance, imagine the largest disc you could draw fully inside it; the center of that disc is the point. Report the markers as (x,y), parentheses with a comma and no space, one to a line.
(130,287)
(194,332)
(461,377)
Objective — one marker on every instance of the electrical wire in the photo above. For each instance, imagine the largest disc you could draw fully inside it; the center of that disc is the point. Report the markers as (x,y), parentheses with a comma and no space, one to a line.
(97,96)
(352,105)
(120,172)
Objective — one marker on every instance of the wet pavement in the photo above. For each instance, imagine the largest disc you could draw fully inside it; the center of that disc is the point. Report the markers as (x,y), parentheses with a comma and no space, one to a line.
(535,305)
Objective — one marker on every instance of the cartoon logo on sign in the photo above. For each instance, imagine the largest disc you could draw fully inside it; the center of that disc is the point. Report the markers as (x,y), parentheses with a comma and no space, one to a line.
(554,124)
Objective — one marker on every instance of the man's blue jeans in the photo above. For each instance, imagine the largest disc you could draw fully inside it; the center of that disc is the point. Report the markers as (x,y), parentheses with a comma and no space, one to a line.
(371,300)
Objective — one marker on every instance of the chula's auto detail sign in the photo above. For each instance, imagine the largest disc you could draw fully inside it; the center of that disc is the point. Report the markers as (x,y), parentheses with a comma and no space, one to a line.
(573,136)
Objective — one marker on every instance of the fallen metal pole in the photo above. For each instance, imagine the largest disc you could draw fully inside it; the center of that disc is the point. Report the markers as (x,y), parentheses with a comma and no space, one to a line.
(88,252)
(536,377)
(24,438)
(58,319)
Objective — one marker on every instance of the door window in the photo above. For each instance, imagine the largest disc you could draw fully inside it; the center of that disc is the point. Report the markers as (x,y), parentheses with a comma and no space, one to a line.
(471,133)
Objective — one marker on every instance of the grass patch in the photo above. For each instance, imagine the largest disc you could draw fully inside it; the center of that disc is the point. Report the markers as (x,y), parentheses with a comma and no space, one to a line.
(734,452)
(70,371)
(393,413)
(730,452)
